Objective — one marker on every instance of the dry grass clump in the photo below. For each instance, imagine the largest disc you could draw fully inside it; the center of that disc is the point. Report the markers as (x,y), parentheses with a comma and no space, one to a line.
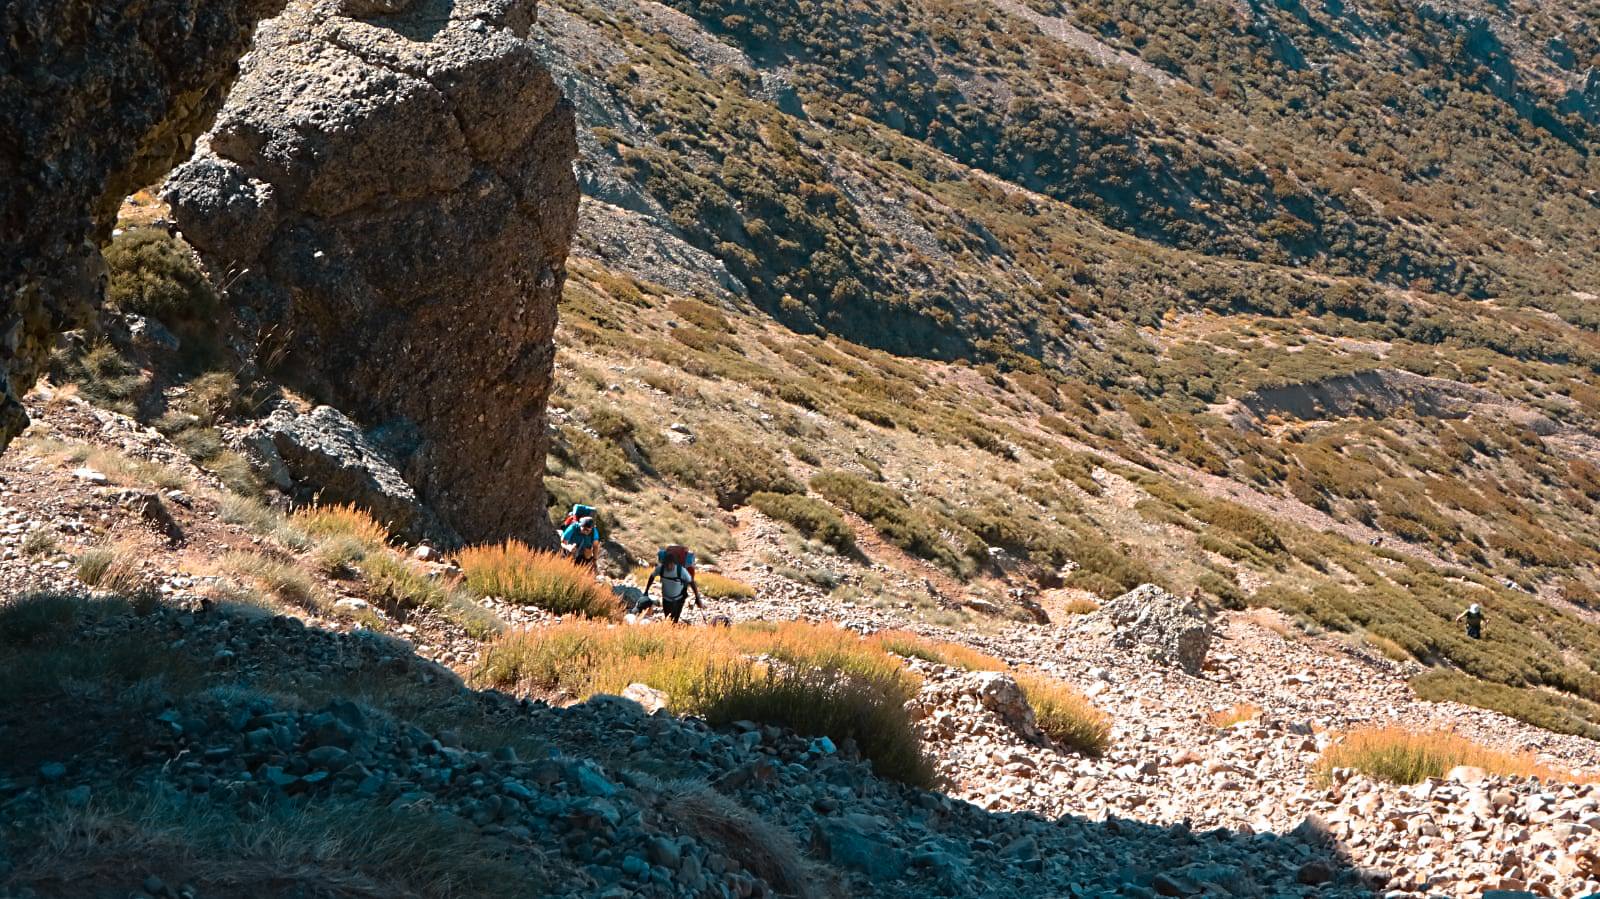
(1407,757)
(1238,713)
(1390,649)
(516,572)
(755,843)
(281,580)
(1064,714)
(39,542)
(808,679)
(825,646)
(340,521)
(915,646)
(113,569)
(1080,606)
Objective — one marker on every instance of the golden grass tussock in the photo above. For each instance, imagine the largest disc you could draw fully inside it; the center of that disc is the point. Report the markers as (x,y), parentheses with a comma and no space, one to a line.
(340,521)
(516,572)
(1407,757)
(1080,606)
(805,677)
(1064,714)
(1238,713)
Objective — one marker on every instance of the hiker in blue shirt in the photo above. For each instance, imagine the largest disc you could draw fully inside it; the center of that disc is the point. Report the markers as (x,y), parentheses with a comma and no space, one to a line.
(581,542)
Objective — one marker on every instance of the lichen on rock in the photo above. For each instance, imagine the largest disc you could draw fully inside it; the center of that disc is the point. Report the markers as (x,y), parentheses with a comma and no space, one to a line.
(391,185)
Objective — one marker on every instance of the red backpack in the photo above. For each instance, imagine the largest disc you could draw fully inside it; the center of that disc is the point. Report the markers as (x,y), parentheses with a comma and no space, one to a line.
(678,555)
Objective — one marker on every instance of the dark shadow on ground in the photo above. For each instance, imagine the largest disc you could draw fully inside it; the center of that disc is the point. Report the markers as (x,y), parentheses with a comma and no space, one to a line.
(220,747)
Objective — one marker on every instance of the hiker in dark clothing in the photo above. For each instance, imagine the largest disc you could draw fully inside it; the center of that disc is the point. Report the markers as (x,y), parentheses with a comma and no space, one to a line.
(1474,619)
(675,568)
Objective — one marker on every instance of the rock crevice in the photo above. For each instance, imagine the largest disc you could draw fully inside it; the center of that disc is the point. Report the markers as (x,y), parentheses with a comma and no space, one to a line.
(96,100)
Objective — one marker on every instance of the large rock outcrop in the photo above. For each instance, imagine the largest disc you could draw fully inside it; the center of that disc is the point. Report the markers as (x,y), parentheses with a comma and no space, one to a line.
(320,456)
(97,99)
(1170,629)
(391,185)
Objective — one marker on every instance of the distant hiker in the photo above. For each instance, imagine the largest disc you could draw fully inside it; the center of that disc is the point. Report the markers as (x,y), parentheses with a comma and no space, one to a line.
(1474,618)
(581,542)
(675,568)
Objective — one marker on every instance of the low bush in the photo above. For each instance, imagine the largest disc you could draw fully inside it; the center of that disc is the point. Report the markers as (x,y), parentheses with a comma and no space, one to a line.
(813,685)
(1080,606)
(1065,715)
(34,616)
(150,272)
(1541,708)
(813,518)
(1404,756)
(102,376)
(516,572)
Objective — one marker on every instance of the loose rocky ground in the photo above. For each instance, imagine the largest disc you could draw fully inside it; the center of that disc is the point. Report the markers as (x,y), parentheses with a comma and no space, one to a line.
(626,803)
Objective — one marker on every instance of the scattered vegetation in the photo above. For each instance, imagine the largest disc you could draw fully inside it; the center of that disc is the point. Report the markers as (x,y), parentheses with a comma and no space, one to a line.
(813,518)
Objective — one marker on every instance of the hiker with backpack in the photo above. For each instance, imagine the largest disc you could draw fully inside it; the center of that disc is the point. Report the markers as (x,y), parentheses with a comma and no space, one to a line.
(1474,618)
(675,568)
(581,542)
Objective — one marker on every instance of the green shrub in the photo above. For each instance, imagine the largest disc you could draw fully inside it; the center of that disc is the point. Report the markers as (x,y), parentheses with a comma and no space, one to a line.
(910,529)
(814,518)
(154,274)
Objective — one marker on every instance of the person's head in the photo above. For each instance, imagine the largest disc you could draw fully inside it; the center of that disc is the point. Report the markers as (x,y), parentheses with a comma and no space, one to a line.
(586,525)
(1475,608)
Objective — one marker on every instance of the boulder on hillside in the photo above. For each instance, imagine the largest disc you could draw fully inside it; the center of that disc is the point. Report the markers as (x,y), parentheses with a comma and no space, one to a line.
(97,100)
(1173,630)
(322,457)
(393,183)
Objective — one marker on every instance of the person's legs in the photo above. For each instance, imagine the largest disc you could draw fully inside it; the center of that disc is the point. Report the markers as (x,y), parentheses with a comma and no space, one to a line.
(1475,631)
(672,610)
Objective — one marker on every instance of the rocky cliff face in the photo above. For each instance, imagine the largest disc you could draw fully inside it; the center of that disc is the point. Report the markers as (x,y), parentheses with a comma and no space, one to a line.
(394,181)
(96,100)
